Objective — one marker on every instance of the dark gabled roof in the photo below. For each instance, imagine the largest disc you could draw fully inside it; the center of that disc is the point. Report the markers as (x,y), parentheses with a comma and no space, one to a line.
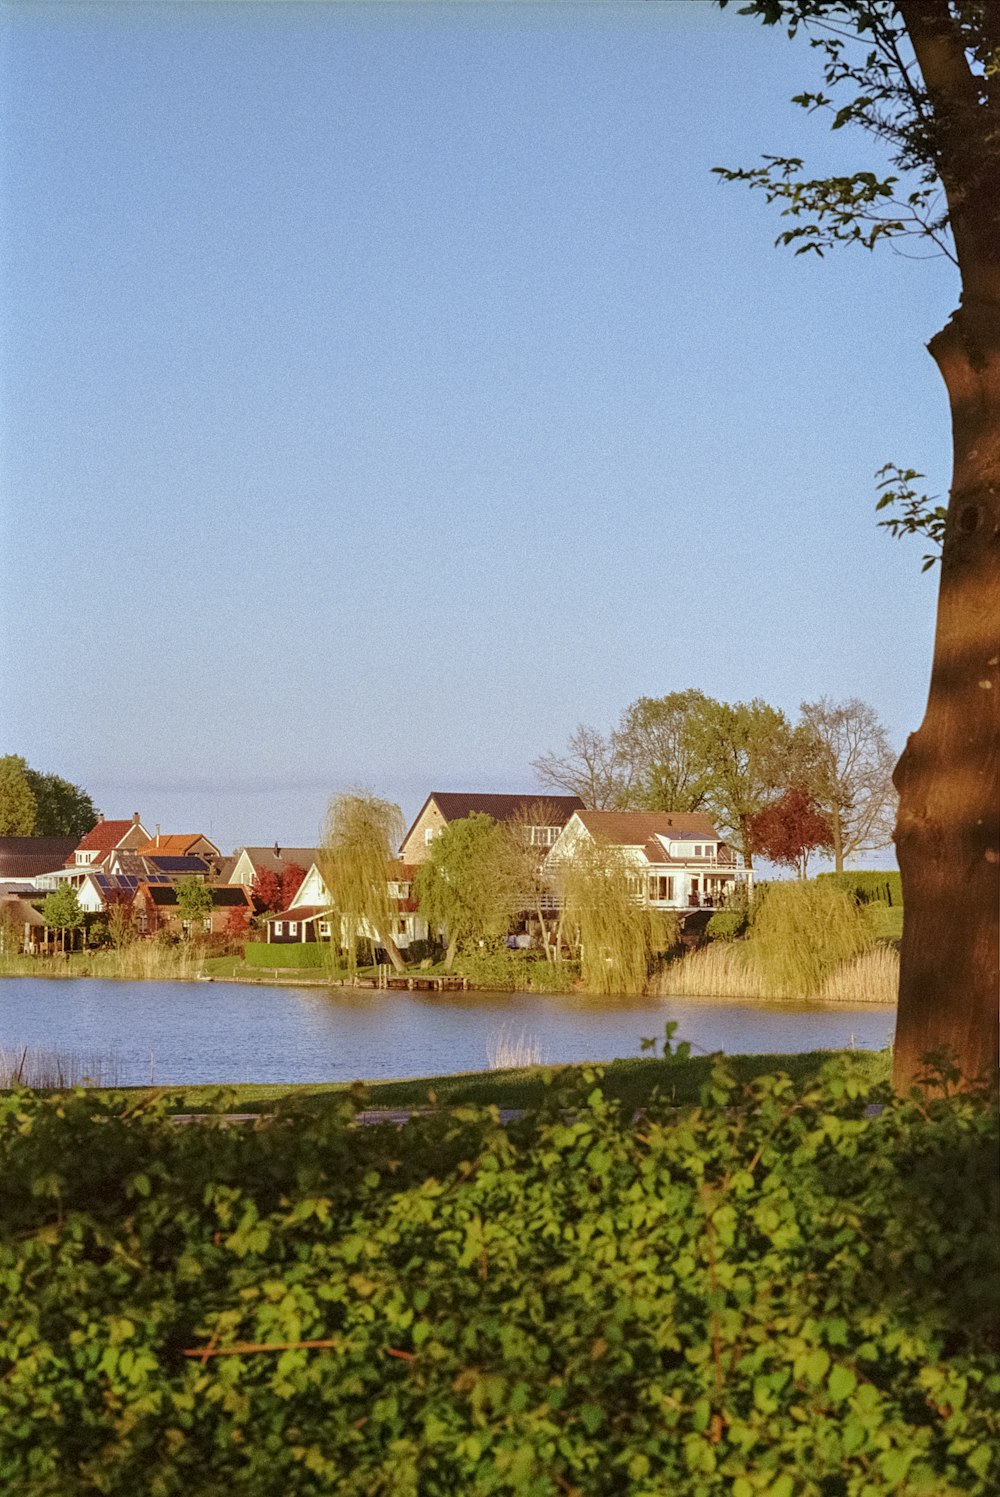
(23,857)
(455,805)
(278,862)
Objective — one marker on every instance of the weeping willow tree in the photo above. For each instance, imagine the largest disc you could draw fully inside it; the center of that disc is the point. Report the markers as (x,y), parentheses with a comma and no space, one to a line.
(801,932)
(617,936)
(357,861)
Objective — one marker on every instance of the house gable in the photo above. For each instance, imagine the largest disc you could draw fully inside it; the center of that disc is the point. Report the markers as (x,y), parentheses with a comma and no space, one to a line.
(444,806)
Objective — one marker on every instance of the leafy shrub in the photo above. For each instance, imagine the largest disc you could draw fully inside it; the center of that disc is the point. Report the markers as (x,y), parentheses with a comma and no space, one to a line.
(726,925)
(503,970)
(775,1293)
(866,886)
(547,977)
(290,954)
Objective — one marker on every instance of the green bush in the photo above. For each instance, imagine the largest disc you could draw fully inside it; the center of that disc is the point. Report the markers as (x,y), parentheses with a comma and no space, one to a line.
(501,969)
(726,925)
(775,1293)
(547,977)
(867,886)
(294,954)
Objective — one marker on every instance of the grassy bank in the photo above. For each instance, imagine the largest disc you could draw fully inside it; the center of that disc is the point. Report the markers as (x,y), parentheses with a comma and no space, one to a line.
(632,1081)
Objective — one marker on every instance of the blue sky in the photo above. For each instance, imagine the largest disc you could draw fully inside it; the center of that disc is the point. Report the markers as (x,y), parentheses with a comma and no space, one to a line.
(388,388)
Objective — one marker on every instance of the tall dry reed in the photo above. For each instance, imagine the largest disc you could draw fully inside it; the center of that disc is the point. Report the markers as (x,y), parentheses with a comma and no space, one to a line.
(506,1051)
(54,1069)
(729,970)
(722,970)
(872,977)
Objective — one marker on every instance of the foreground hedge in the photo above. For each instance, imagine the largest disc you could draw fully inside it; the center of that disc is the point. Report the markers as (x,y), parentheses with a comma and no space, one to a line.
(772,1293)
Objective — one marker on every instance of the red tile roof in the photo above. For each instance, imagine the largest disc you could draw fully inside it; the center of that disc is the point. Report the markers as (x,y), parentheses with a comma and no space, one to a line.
(105,836)
(176,843)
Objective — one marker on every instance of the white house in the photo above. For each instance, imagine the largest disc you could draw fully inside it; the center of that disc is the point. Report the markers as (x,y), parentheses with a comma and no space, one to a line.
(310,913)
(681,862)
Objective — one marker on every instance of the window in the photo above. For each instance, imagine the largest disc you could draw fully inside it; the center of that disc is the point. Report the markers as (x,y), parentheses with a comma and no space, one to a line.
(279,927)
(544,836)
(429,835)
(207,922)
(293,927)
(324,928)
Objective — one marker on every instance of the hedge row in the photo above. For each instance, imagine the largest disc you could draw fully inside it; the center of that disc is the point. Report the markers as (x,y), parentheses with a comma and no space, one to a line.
(290,954)
(770,1294)
(867,887)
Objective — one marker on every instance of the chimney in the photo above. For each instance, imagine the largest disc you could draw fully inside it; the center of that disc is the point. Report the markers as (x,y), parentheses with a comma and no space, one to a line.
(277,850)
(135,817)
(100,816)
(157,834)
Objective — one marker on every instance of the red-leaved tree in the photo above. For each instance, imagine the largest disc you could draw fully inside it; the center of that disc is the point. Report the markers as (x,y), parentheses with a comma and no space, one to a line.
(237,923)
(291,881)
(267,890)
(789,830)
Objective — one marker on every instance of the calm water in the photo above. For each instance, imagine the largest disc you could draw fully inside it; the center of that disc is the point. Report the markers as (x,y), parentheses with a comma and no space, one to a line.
(224,1032)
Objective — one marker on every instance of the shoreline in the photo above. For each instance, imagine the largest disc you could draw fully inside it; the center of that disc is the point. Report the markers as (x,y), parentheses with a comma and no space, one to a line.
(372,987)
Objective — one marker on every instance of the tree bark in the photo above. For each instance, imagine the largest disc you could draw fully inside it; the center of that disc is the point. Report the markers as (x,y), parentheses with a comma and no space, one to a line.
(451,953)
(838,840)
(948,826)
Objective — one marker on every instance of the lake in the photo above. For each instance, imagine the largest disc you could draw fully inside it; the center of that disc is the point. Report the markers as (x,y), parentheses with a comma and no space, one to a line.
(190,1032)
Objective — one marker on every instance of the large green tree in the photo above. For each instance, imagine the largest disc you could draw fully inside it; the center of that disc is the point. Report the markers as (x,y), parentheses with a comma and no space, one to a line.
(748,751)
(62,809)
(923,78)
(467,886)
(18,807)
(194,902)
(657,737)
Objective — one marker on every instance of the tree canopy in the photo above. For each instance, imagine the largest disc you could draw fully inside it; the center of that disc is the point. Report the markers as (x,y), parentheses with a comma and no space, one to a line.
(33,804)
(467,885)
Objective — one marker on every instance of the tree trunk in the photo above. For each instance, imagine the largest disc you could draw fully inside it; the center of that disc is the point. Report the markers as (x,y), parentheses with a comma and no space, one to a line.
(451,953)
(838,839)
(392,952)
(948,827)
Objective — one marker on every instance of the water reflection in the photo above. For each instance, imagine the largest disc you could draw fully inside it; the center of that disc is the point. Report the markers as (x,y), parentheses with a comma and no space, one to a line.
(223,1032)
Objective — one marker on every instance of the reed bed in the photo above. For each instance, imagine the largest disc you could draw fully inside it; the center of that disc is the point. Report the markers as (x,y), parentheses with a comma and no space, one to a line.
(872,977)
(723,970)
(140,961)
(48,1070)
(506,1051)
(730,970)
